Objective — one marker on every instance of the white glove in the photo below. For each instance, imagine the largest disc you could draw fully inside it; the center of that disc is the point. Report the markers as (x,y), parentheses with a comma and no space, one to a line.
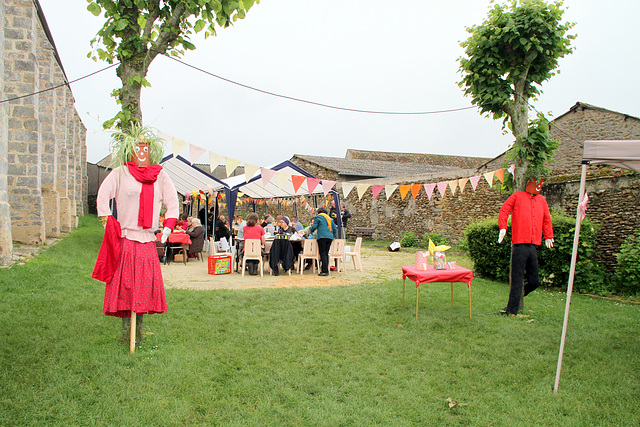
(501,235)
(165,234)
(548,243)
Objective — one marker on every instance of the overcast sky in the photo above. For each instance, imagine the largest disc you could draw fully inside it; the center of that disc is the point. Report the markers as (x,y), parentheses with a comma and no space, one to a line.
(363,54)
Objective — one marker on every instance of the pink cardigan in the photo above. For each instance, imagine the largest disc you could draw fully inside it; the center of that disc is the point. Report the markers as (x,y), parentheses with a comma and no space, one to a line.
(119,184)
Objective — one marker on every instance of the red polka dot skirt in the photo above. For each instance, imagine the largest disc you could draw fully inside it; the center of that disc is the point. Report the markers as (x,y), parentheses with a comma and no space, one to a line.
(137,283)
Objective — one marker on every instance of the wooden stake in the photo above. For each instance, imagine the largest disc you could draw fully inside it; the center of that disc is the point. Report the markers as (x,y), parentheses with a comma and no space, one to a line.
(132,333)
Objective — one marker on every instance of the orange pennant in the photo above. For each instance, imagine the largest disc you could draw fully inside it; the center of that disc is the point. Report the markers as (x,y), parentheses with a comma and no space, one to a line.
(404,189)
(297,181)
(500,174)
(415,189)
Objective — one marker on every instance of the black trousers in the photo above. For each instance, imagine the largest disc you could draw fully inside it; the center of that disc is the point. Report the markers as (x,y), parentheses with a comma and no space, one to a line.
(524,257)
(324,245)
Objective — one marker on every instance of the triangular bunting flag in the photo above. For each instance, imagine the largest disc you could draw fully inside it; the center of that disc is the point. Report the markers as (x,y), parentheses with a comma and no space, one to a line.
(442,187)
(178,146)
(415,189)
(404,189)
(214,160)
(297,180)
(389,189)
(362,188)
(312,183)
(249,171)
(327,185)
(376,189)
(489,177)
(230,165)
(500,174)
(346,188)
(282,178)
(195,152)
(474,181)
(267,174)
(512,169)
(428,188)
(453,184)
(462,182)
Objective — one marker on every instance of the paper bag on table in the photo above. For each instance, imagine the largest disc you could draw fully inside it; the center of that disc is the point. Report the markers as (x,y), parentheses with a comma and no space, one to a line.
(422,260)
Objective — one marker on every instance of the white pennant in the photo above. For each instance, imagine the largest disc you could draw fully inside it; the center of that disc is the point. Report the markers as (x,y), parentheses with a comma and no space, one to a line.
(362,188)
(389,189)
(230,165)
(282,178)
(249,171)
(178,146)
(489,177)
(195,152)
(346,188)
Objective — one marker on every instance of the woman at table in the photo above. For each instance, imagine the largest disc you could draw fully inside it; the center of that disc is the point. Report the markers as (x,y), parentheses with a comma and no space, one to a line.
(196,233)
(253,231)
(221,229)
(326,230)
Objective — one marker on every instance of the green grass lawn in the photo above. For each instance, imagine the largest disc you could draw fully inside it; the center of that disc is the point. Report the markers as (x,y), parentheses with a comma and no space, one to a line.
(345,355)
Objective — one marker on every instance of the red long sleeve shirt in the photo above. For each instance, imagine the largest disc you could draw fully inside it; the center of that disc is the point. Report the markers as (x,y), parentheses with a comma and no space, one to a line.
(529,218)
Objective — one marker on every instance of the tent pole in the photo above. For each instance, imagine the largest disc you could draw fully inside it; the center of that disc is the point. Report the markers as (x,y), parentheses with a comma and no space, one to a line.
(572,270)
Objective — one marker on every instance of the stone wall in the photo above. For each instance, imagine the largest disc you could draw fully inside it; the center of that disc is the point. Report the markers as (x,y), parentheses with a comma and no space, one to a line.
(42,134)
(6,244)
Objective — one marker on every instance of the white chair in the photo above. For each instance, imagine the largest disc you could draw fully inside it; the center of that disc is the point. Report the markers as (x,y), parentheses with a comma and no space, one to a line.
(337,252)
(355,254)
(309,251)
(252,250)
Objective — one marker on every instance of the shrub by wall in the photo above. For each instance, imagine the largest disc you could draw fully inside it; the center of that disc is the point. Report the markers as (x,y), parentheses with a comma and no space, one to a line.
(628,268)
(492,259)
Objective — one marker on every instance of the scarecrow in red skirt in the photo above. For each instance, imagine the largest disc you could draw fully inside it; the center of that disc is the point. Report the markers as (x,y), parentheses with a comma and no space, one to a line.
(128,261)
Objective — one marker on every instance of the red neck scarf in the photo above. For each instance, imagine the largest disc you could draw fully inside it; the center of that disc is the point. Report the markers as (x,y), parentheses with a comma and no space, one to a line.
(147,176)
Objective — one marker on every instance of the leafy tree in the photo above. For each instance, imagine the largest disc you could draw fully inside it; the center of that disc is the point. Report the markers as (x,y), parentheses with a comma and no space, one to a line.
(136,31)
(508,57)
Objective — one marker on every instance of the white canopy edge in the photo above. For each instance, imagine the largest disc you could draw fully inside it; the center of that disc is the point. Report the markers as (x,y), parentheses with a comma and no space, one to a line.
(620,153)
(188,178)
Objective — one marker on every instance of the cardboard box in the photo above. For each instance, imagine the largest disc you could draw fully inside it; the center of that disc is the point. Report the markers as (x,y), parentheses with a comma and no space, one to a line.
(219,264)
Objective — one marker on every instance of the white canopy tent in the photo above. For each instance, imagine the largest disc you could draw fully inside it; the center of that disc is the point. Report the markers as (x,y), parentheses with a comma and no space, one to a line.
(623,154)
(188,178)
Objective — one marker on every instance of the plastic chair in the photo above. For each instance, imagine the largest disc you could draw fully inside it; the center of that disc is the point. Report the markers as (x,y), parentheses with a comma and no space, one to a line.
(309,251)
(355,254)
(337,252)
(252,250)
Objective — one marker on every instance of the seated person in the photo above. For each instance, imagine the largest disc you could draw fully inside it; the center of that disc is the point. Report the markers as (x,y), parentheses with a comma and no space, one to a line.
(253,231)
(270,227)
(297,225)
(184,221)
(178,228)
(221,229)
(196,233)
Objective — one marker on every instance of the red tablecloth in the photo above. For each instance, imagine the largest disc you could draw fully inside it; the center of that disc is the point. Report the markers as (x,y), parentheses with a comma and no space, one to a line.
(431,275)
(176,238)
(458,274)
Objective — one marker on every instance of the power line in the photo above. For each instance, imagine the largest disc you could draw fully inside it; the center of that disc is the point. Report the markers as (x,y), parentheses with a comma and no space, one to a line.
(60,85)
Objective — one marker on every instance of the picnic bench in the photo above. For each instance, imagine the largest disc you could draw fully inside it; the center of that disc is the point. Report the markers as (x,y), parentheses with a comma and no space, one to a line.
(361,232)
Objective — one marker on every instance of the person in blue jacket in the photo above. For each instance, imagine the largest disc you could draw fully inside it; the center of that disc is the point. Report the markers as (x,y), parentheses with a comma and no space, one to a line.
(326,230)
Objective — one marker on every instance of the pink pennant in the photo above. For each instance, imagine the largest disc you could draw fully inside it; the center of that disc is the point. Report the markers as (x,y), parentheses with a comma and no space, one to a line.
(428,188)
(442,187)
(376,189)
(327,185)
(267,174)
(312,183)
(474,181)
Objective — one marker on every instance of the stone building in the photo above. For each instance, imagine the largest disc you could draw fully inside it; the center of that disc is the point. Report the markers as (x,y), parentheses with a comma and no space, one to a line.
(614,194)
(43,179)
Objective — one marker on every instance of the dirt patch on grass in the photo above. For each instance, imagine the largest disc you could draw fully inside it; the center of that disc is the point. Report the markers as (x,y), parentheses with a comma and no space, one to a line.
(378,264)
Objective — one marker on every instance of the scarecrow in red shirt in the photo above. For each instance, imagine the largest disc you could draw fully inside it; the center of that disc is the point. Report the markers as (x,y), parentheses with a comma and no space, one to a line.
(530,218)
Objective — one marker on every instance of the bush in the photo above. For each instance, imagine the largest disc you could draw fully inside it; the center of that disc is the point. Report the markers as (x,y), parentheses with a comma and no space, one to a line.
(436,238)
(628,268)
(408,240)
(492,259)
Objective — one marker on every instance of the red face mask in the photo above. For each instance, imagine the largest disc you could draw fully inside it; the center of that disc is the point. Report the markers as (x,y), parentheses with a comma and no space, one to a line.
(534,187)
(141,155)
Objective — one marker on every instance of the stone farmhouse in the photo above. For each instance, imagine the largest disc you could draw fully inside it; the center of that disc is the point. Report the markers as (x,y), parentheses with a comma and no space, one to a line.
(42,139)
(614,194)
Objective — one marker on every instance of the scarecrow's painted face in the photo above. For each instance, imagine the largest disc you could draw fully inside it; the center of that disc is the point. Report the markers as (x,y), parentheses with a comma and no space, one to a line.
(141,155)
(534,187)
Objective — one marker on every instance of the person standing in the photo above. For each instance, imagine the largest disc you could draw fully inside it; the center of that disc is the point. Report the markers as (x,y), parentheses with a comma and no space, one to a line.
(345,215)
(128,260)
(326,231)
(530,218)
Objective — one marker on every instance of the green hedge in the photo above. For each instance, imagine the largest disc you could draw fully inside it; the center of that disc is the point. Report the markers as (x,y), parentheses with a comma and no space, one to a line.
(492,259)
(628,268)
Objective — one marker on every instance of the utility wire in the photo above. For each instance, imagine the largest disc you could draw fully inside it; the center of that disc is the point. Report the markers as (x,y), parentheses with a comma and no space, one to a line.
(60,85)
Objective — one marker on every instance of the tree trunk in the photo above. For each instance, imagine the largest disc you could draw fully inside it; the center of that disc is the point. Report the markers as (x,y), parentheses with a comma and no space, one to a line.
(520,130)
(130,92)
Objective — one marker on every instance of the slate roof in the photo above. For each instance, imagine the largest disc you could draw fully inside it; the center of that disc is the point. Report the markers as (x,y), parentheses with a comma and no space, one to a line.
(464,162)
(363,169)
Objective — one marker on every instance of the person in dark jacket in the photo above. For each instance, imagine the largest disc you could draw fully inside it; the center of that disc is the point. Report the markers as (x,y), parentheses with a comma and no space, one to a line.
(196,233)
